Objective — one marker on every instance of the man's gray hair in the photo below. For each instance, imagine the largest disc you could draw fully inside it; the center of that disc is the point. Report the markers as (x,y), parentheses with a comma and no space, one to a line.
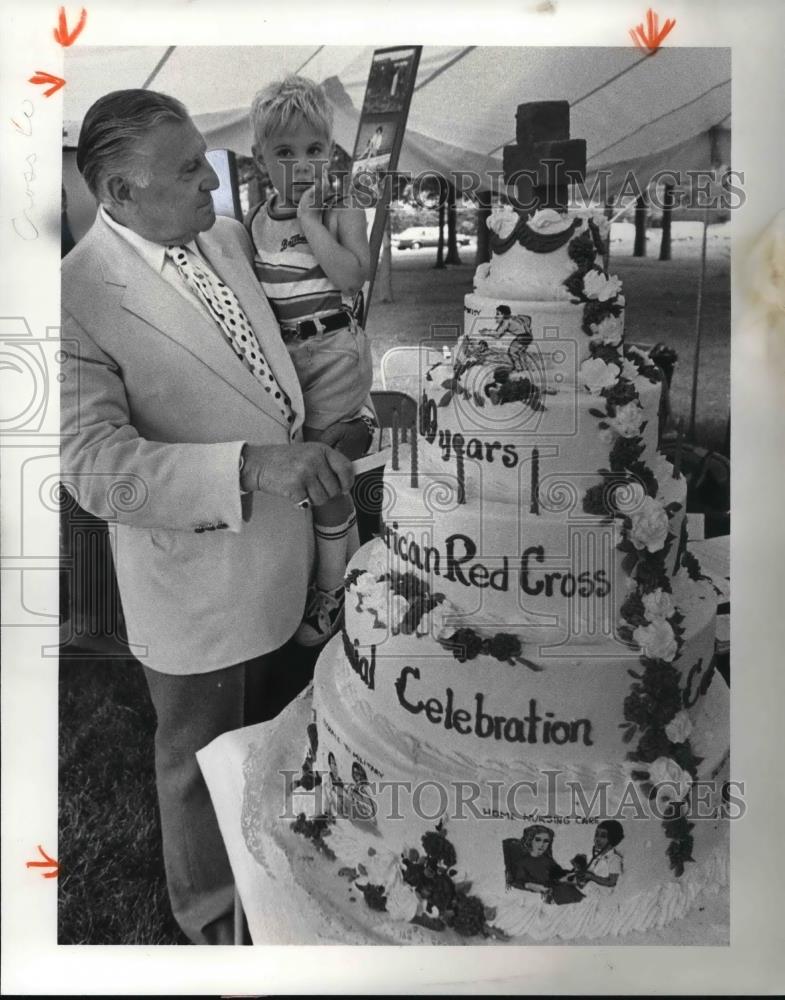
(111,131)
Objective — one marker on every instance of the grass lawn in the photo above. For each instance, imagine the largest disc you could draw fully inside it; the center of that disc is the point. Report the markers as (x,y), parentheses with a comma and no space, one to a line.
(111,885)
(111,888)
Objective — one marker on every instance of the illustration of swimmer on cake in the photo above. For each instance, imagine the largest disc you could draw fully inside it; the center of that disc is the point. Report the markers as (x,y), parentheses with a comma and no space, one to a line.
(529,865)
(601,873)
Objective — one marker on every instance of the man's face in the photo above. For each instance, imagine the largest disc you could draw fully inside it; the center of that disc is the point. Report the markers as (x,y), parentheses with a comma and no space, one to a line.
(176,204)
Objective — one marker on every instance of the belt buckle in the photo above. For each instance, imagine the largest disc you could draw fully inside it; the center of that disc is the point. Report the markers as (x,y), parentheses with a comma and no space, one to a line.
(318,325)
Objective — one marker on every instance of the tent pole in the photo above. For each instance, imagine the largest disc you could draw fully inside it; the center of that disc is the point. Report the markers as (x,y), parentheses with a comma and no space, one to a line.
(698,322)
(159,67)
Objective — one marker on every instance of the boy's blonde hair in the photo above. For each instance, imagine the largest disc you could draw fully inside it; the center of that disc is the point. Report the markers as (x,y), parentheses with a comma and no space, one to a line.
(280,104)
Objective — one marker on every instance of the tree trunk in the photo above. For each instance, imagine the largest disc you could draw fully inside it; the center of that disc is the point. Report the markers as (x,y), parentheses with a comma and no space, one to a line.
(667,212)
(453,257)
(384,289)
(483,234)
(641,211)
(440,245)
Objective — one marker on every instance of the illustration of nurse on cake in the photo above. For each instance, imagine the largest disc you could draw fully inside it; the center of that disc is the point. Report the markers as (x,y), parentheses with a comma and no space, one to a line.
(362,807)
(529,865)
(336,789)
(602,872)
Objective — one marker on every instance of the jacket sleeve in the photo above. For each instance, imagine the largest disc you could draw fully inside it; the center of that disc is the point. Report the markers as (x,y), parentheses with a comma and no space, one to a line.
(116,474)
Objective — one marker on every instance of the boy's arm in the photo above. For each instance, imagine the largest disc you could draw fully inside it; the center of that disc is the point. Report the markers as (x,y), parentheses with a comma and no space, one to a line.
(345,260)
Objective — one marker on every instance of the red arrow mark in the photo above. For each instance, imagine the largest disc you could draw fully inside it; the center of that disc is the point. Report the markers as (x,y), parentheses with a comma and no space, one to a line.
(652,36)
(56,81)
(47,863)
(61,32)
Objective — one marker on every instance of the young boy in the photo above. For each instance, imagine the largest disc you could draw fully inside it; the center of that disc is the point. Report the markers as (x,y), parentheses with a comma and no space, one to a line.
(311,255)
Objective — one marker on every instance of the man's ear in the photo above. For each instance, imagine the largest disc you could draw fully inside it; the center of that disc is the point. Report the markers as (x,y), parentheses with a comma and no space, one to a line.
(119,190)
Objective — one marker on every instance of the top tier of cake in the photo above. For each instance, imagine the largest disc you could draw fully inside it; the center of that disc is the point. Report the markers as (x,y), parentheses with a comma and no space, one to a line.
(544,258)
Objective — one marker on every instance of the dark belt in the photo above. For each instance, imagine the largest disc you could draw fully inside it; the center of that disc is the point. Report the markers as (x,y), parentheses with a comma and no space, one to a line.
(306,328)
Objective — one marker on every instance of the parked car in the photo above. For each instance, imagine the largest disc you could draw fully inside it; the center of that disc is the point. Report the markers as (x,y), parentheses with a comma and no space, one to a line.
(423,236)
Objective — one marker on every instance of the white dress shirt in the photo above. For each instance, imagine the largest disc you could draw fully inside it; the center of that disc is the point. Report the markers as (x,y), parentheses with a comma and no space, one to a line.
(154,254)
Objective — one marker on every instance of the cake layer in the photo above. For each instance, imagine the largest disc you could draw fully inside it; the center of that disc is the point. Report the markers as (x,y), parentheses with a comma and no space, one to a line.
(547,320)
(493,418)
(390,796)
(313,901)
(550,577)
(532,258)
(459,679)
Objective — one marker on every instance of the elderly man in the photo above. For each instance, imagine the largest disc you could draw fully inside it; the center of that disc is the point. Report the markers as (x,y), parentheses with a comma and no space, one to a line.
(181,422)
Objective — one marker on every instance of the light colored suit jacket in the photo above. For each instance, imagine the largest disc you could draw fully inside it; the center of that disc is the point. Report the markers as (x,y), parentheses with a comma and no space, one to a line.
(155,408)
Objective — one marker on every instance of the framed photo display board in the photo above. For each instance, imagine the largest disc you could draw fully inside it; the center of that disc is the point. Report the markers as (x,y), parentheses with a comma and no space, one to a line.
(377,146)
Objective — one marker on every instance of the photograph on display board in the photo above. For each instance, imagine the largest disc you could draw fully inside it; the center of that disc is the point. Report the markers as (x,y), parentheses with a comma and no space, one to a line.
(375,139)
(388,80)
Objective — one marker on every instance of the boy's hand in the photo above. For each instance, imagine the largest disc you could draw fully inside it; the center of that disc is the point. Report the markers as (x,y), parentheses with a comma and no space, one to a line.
(312,203)
(350,437)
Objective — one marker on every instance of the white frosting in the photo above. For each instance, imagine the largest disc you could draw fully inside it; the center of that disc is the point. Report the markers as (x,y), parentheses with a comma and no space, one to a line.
(521,274)
(504,523)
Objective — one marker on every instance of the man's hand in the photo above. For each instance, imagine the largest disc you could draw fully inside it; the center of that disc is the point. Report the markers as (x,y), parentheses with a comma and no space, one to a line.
(350,437)
(311,471)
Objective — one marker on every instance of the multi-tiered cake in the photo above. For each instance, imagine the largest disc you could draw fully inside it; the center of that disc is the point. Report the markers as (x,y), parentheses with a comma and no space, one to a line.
(528,647)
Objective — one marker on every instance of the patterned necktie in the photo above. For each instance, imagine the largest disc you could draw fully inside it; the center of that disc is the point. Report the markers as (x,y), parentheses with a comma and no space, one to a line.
(228,314)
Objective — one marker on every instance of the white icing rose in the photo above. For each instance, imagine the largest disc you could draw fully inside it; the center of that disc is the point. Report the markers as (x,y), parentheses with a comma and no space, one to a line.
(656,640)
(503,220)
(375,598)
(628,419)
(378,558)
(402,901)
(606,435)
(597,286)
(548,220)
(609,331)
(679,728)
(675,783)
(382,866)
(482,273)
(366,584)
(440,621)
(649,527)
(629,498)
(597,375)
(658,604)
(629,370)
(397,608)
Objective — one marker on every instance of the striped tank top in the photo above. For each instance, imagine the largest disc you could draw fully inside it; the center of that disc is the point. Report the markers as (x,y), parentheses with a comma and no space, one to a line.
(290,275)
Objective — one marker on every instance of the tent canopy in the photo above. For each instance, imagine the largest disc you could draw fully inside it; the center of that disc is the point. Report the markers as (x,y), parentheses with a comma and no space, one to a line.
(653,112)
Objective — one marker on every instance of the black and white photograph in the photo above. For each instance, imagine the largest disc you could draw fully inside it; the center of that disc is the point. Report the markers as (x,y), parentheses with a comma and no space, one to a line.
(389,80)
(378,550)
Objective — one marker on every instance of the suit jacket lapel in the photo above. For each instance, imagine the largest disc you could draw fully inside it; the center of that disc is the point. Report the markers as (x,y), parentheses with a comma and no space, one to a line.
(150,297)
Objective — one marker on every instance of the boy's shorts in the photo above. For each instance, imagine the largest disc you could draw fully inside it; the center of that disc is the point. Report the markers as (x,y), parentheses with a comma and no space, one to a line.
(335,371)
